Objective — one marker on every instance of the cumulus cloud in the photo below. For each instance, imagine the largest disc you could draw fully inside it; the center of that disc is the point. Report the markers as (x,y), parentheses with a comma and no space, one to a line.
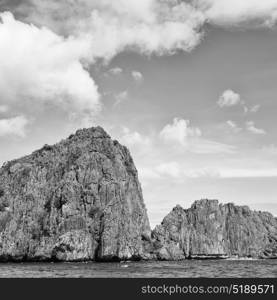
(138,77)
(133,138)
(47,62)
(233,126)
(171,169)
(38,66)
(115,71)
(147,26)
(237,13)
(13,126)
(153,152)
(159,159)
(250,126)
(190,138)
(229,98)
(179,131)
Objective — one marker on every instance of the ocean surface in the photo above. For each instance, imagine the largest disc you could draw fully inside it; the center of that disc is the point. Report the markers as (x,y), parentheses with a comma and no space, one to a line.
(188,268)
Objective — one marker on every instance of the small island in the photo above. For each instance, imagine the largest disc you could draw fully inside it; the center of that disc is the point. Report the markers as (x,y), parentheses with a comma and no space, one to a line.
(81,200)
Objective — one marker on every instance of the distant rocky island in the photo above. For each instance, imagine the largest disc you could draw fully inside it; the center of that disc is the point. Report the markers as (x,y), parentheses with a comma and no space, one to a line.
(81,200)
(212,230)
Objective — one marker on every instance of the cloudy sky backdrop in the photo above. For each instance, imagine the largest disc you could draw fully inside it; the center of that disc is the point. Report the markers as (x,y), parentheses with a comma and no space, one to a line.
(188,86)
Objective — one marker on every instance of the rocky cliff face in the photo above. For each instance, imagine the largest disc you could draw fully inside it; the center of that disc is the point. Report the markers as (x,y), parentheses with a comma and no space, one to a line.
(209,229)
(77,200)
(81,200)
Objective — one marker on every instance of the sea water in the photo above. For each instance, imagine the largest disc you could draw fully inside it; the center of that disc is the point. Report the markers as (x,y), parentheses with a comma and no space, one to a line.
(161,269)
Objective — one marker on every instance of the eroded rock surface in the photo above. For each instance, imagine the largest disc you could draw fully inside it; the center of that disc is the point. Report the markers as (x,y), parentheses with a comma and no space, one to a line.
(81,200)
(77,200)
(212,230)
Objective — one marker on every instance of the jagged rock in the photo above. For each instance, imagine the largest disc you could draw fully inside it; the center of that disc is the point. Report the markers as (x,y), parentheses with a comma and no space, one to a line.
(81,200)
(212,230)
(77,200)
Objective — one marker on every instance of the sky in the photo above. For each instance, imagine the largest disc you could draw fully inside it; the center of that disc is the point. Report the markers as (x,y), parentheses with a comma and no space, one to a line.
(188,86)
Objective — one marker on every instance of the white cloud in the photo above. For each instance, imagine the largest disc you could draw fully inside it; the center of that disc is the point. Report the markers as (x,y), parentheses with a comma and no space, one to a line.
(115,71)
(190,138)
(255,108)
(229,98)
(153,154)
(179,131)
(239,12)
(158,159)
(119,98)
(147,26)
(38,66)
(137,76)
(234,126)
(133,138)
(13,126)
(250,126)
(50,65)
(171,169)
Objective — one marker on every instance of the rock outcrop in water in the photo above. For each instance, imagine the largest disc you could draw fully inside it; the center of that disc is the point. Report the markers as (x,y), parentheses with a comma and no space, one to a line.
(81,200)
(77,200)
(212,230)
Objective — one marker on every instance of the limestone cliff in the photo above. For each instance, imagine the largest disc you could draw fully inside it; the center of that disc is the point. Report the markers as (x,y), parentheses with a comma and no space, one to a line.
(77,200)
(212,230)
(81,200)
